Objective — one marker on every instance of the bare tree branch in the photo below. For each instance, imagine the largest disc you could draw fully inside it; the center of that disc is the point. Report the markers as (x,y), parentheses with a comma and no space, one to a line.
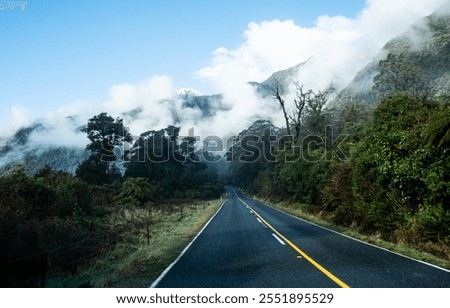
(300,102)
(275,90)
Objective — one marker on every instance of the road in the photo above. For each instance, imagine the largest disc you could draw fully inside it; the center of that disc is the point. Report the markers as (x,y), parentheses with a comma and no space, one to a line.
(249,244)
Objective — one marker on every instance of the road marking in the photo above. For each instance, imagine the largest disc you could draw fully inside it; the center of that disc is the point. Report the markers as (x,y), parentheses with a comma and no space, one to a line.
(278,239)
(164,273)
(301,252)
(259,220)
(355,239)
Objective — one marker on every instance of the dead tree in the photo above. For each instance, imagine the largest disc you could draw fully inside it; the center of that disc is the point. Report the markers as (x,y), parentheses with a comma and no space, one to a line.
(276,90)
(300,102)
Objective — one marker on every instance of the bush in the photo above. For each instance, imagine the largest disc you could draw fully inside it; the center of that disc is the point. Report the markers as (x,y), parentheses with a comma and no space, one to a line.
(72,195)
(434,223)
(305,180)
(25,197)
(137,192)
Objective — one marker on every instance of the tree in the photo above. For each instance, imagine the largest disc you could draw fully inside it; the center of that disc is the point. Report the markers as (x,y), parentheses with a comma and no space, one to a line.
(95,171)
(106,135)
(156,156)
(300,102)
(72,194)
(438,132)
(315,103)
(276,90)
(397,74)
(396,173)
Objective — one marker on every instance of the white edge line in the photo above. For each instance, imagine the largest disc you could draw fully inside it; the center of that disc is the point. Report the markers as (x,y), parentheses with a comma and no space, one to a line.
(355,239)
(278,239)
(164,273)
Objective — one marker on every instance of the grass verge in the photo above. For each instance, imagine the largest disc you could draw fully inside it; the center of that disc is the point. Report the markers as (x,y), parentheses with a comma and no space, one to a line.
(297,210)
(136,260)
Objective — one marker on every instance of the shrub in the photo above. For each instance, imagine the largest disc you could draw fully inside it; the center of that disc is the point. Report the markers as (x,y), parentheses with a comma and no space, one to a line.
(137,192)
(72,195)
(434,223)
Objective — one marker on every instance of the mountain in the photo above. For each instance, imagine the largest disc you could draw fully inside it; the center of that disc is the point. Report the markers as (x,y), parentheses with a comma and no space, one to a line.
(209,105)
(192,99)
(417,62)
(22,150)
(284,78)
(183,92)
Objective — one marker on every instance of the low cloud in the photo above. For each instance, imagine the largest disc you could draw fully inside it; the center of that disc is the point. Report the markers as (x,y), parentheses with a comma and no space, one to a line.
(334,49)
(16,117)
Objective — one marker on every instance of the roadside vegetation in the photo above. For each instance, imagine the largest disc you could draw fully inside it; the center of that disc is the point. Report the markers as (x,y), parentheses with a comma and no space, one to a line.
(388,177)
(139,258)
(316,216)
(103,226)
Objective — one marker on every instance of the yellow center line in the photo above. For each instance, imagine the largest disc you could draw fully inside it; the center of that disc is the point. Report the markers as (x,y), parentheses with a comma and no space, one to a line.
(301,252)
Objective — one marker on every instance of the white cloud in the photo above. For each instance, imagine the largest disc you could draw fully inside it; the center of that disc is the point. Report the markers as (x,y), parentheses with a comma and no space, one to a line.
(16,117)
(338,47)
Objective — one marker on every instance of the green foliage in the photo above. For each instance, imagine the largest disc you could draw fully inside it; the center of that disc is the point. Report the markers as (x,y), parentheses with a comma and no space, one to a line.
(71,244)
(397,172)
(105,133)
(438,131)
(25,197)
(72,195)
(45,221)
(390,157)
(305,180)
(338,190)
(397,74)
(97,172)
(395,184)
(160,157)
(434,223)
(137,192)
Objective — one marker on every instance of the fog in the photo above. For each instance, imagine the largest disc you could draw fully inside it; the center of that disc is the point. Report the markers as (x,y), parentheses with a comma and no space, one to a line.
(334,49)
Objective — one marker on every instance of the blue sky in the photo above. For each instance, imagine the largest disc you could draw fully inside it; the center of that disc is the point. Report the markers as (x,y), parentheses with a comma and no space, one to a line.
(59,52)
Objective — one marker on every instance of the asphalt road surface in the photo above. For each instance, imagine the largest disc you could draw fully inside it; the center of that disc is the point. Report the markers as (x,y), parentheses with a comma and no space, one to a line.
(249,244)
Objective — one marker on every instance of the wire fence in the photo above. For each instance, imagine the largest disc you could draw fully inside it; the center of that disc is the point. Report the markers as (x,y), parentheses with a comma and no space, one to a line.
(96,244)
